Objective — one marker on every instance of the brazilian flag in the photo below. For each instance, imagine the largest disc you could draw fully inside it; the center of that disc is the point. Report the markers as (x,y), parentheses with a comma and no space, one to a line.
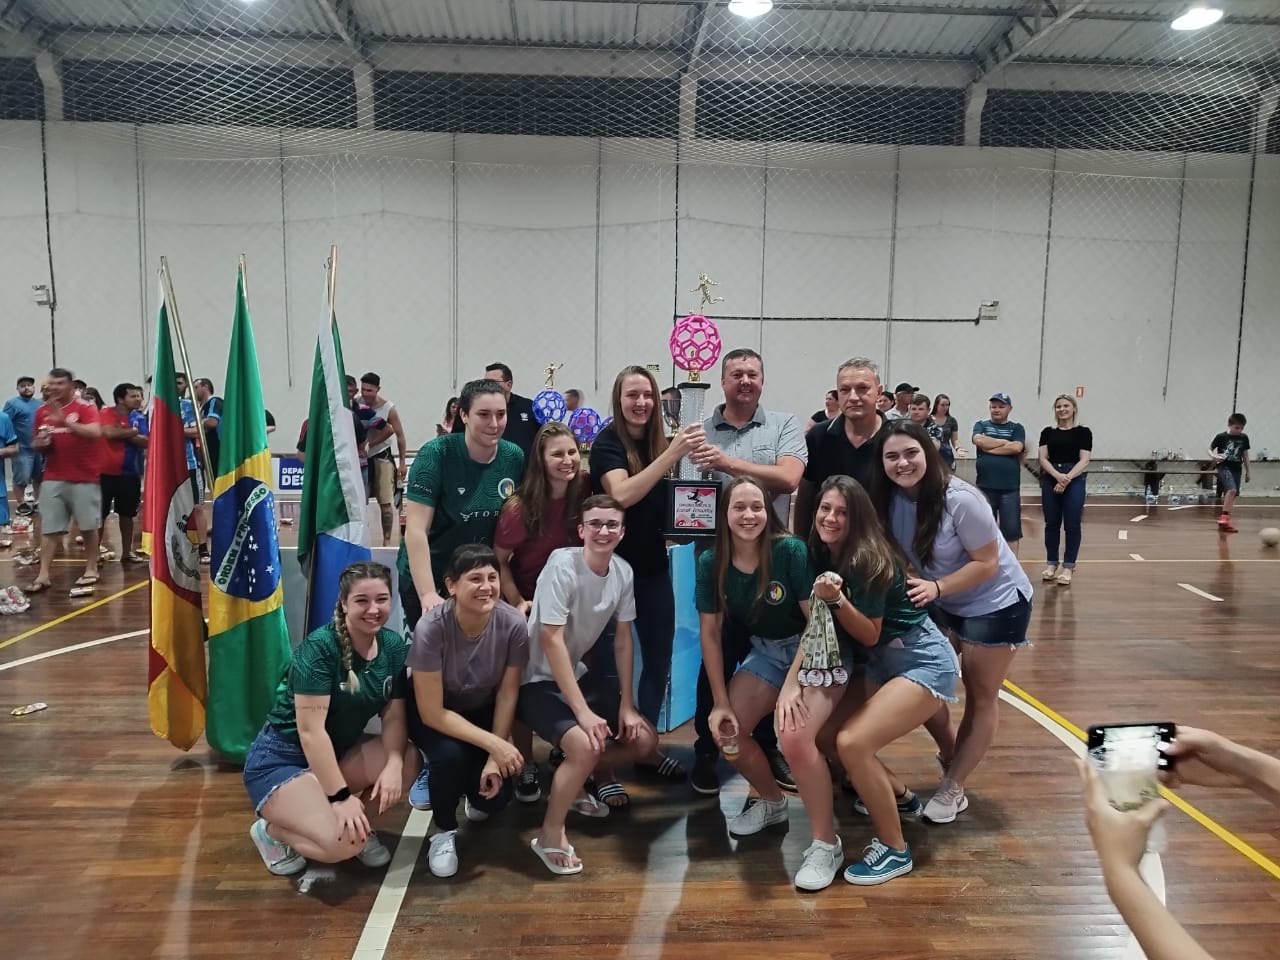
(249,646)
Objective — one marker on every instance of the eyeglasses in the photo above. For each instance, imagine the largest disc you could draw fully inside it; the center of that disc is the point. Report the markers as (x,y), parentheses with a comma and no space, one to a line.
(613,526)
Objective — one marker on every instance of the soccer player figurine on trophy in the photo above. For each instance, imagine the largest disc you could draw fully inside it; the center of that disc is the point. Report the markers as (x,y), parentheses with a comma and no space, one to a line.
(549,404)
(695,346)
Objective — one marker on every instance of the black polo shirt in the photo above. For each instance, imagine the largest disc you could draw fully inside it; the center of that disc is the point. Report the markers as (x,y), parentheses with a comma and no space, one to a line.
(831,453)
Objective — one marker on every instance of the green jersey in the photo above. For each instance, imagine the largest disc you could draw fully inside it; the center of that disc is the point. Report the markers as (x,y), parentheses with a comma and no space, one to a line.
(778,615)
(467,497)
(899,613)
(317,671)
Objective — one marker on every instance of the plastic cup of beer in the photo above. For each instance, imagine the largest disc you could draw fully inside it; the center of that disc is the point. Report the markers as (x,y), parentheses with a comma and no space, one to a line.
(1127,769)
(729,746)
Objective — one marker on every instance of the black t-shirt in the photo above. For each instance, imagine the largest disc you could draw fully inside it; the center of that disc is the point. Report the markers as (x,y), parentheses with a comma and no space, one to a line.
(819,417)
(1065,445)
(1232,447)
(522,425)
(831,453)
(643,546)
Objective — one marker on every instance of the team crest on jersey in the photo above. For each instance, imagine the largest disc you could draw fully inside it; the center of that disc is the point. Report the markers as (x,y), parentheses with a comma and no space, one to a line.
(775,594)
(506,487)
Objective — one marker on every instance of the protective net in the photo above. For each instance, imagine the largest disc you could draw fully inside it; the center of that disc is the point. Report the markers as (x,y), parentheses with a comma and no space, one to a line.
(543,180)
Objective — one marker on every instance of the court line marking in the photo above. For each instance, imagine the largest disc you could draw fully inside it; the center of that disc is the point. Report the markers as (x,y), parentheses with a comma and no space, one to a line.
(1219,831)
(1122,534)
(1136,556)
(1138,519)
(36,658)
(1185,506)
(373,941)
(74,613)
(1200,593)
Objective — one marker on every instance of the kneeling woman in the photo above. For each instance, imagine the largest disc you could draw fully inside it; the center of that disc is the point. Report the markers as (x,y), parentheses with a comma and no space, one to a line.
(311,761)
(910,664)
(760,575)
(467,657)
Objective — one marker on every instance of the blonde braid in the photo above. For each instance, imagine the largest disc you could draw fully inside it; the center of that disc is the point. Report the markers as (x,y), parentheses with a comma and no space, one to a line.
(352,683)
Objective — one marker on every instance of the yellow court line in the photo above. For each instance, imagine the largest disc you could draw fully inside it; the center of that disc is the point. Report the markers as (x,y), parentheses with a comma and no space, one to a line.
(74,613)
(1217,829)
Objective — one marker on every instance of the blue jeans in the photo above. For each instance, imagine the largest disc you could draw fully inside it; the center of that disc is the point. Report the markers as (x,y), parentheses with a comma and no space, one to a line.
(654,633)
(1064,509)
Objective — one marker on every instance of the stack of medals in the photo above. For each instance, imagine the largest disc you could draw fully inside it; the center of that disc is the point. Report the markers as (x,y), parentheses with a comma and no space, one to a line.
(821,665)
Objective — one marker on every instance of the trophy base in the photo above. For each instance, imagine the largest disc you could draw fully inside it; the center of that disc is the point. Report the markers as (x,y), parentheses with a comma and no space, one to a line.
(691,508)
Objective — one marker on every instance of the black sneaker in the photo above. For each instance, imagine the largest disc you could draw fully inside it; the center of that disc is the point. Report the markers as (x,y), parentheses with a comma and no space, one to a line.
(528,789)
(781,770)
(705,779)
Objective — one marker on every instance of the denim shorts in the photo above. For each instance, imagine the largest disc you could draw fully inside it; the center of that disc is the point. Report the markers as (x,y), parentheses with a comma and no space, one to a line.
(272,762)
(922,655)
(28,467)
(771,660)
(1006,505)
(1006,627)
(1229,475)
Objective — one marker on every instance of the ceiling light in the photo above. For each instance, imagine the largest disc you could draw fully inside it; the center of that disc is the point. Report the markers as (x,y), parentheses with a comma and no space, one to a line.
(1198,17)
(750,9)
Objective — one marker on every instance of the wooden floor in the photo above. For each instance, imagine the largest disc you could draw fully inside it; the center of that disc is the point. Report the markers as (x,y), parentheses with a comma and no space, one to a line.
(116,845)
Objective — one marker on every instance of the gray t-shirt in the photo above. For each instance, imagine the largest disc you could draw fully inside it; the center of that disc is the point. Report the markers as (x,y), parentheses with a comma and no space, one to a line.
(471,669)
(571,595)
(967,524)
(765,439)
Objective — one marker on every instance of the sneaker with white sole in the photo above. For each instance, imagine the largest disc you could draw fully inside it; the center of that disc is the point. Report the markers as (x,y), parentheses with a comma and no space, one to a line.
(280,858)
(375,852)
(473,814)
(909,806)
(759,815)
(880,863)
(821,864)
(420,792)
(946,803)
(528,788)
(442,855)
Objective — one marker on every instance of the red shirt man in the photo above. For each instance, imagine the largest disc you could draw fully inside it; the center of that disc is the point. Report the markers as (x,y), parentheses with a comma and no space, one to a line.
(70,457)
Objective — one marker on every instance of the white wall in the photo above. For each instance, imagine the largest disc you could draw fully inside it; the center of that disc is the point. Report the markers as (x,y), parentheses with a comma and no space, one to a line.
(455,252)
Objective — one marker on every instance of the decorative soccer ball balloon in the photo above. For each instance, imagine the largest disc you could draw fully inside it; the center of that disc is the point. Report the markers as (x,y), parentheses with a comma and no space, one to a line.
(549,405)
(604,423)
(585,424)
(694,344)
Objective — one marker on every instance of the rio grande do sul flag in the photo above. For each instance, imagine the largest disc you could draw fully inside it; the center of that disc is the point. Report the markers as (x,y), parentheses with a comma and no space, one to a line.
(249,646)
(333,531)
(176,680)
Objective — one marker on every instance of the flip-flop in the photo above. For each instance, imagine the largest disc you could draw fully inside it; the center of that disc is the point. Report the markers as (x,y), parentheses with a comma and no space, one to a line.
(607,790)
(87,581)
(589,806)
(38,587)
(545,854)
(669,769)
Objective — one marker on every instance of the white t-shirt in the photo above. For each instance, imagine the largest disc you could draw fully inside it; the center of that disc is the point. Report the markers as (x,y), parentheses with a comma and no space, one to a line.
(383,412)
(569,593)
(967,524)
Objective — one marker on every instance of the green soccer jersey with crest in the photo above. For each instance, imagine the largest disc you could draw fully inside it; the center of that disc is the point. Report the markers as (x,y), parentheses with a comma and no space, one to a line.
(776,615)
(467,497)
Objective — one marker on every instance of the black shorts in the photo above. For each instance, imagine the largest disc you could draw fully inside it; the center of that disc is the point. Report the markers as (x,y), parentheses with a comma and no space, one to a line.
(122,492)
(196,479)
(543,709)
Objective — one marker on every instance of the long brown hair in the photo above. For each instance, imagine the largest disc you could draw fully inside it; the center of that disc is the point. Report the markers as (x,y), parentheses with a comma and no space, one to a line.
(931,501)
(773,531)
(534,493)
(651,446)
(867,556)
(350,577)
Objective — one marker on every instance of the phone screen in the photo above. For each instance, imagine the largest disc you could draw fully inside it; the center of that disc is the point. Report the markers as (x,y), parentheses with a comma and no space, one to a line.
(1127,757)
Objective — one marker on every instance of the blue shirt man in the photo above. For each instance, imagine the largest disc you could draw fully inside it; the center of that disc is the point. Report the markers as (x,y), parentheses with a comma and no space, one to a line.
(21,411)
(1001,445)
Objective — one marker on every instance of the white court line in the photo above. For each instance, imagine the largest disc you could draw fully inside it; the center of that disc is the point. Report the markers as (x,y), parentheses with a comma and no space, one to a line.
(1200,593)
(386,907)
(1185,506)
(1151,869)
(1138,519)
(71,649)
(1135,556)
(1122,534)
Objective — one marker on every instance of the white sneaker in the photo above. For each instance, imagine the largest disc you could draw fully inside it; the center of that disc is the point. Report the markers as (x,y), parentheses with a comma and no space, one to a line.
(280,858)
(442,857)
(944,805)
(375,852)
(759,815)
(474,814)
(822,861)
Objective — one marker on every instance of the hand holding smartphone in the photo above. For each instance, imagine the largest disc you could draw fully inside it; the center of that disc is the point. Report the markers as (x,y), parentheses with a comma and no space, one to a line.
(1128,758)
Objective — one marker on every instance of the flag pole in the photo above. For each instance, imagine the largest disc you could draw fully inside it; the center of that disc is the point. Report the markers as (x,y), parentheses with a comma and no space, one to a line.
(171,301)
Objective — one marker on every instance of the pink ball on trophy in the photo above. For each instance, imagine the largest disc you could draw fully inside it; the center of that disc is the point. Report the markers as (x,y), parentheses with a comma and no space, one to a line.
(694,344)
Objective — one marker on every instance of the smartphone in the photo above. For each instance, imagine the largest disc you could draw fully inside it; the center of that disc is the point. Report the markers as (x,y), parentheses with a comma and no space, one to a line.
(1128,757)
